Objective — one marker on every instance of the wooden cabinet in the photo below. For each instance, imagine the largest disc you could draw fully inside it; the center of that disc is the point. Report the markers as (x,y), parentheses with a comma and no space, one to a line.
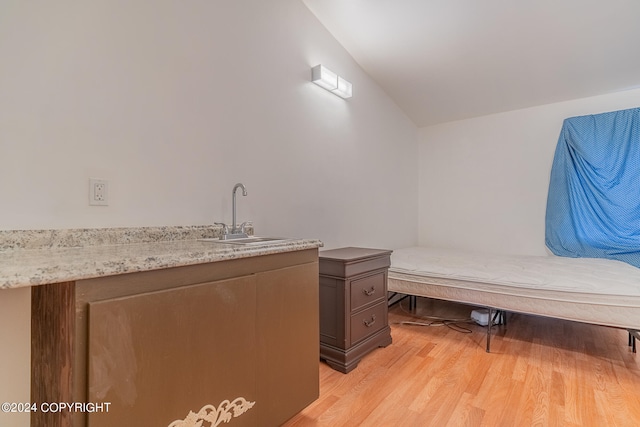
(158,345)
(353,305)
(159,355)
(287,338)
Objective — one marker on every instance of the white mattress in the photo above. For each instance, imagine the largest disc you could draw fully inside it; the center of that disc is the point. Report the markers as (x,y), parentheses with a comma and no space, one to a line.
(599,291)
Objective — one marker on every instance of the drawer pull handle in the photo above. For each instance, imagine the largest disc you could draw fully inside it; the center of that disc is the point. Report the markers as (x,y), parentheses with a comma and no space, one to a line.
(369,292)
(371,322)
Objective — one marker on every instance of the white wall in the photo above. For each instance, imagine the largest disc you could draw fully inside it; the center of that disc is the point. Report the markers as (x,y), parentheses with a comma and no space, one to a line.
(484,181)
(175,102)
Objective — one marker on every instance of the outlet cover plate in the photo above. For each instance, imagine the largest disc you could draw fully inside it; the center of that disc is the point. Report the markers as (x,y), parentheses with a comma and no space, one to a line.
(98,192)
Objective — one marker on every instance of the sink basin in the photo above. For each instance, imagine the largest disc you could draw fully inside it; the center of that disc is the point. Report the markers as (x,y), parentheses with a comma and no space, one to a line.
(247,240)
(253,240)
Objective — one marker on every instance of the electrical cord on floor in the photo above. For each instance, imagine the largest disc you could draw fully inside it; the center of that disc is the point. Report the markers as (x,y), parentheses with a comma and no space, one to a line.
(436,321)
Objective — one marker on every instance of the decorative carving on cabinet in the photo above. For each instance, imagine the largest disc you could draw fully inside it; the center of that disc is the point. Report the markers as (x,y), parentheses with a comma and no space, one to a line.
(215,416)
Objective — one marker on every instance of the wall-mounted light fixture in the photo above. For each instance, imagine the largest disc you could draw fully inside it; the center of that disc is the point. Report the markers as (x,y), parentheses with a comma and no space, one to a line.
(332,82)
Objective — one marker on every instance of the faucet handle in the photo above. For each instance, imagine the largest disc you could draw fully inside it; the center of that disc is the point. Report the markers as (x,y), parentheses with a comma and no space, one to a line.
(225,228)
(245,224)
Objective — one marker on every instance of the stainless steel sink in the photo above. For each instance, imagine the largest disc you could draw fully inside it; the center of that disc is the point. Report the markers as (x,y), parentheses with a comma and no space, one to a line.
(247,240)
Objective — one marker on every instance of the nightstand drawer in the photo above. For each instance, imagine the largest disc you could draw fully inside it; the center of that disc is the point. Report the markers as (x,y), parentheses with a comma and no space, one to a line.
(368,290)
(368,322)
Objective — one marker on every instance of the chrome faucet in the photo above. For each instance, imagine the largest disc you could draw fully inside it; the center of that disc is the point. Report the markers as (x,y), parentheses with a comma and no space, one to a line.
(234,232)
(234,227)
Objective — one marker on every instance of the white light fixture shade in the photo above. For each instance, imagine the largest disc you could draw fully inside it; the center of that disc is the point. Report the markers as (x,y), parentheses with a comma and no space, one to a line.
(327,79)
(344,89)
(324,77)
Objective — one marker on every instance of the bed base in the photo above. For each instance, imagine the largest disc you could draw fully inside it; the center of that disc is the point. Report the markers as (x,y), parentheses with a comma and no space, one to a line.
(501,317)
(622,316)
(596,291)
(494,314)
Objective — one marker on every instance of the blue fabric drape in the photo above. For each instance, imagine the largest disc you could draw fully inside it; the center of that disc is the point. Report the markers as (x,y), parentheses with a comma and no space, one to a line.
(593,206)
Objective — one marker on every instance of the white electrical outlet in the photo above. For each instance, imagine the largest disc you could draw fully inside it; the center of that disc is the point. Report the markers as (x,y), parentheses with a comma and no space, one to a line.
(98,192)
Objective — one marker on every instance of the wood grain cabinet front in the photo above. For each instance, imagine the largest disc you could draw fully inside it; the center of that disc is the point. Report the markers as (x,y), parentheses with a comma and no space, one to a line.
(160,355)
(353,305)
(184,346)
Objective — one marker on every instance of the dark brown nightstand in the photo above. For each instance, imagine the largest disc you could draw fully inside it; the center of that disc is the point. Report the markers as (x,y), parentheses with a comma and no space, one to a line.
(353,305)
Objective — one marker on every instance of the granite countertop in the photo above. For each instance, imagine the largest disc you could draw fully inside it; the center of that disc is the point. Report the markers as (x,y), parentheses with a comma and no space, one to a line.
(31,258)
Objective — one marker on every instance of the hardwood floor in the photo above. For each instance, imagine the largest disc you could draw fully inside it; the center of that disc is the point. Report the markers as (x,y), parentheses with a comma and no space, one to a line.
(541,371)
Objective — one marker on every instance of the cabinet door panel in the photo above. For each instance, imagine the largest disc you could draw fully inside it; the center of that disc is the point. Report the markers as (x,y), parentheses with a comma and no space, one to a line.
(157,356)
(288,342)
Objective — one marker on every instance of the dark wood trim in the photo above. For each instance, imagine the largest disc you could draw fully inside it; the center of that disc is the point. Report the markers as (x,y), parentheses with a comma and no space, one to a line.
(52,351)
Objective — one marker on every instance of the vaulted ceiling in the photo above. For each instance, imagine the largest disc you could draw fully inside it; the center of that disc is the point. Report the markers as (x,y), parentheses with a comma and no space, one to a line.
(444,60)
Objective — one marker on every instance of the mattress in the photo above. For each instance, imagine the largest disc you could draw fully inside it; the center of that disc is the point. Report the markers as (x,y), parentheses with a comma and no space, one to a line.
(598,291)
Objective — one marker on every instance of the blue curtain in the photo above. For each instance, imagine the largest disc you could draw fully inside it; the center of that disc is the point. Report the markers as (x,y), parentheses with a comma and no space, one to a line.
(593,206)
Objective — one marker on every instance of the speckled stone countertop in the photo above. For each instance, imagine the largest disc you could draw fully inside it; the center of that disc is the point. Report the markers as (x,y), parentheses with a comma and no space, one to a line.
(38,257)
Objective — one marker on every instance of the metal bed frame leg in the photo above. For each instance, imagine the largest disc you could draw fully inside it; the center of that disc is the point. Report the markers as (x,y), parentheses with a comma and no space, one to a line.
(489,325)
(633,334)
(389,298)
(412,300)
(499,315)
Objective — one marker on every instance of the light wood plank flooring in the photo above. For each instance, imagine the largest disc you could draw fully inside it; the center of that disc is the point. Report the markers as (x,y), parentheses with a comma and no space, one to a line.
(541,371)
